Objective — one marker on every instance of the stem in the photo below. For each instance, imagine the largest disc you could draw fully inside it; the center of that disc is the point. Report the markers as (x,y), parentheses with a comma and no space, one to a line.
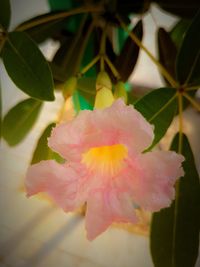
(191,88)
(112,68)
(192,101)
(75,41)
(180,117)
(83,46)
(162,70)
(102,49)
(102,63)
(65,14)
(90,65)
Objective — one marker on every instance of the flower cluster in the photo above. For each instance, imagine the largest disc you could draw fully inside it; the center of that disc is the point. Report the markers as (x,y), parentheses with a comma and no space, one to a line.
(106,168)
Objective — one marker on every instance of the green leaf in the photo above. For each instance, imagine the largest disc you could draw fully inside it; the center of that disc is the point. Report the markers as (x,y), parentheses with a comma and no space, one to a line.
(69,56)
(128,56)
(110,54)
(188,59)
(159,108)
(42,151)
(178,31)
(136,6)
(181,8)
(41,32)
(5,13)
(27,67)
(65,60)
(59,73)
(167,51)
(175,230)
(19,120)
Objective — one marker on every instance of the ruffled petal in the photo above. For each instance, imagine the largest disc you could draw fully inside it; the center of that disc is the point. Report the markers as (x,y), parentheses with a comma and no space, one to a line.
(67,138)
(105,206)
(120,124)
(154,175)
(58,181)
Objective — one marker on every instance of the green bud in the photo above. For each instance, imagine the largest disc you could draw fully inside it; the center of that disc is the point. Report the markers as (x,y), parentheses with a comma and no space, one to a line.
(69,87)
(120,91)
(103,80)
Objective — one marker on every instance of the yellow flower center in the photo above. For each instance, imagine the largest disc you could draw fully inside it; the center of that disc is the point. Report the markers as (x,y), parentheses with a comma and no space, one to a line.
(105,159)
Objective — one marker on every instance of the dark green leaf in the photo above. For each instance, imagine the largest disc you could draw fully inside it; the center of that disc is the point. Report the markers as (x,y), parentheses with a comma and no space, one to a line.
(62,59)
(66,59)
(112,56)
(59,73)
(42,151)
(167,51)
(178,31)
(19,120)
(188,60)
(62,55)
(70,54)
(159,108)
(5,13)
(27,66)
(128,56)
(127,6)
(182,8)
(175,230)
(41,32)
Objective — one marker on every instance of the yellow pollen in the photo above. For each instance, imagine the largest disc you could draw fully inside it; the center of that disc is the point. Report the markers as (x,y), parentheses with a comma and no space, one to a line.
(105,159)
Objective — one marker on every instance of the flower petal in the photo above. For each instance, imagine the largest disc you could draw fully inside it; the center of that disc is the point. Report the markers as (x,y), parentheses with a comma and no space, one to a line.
(59,181)
(154,179)
(66,138)
(120,124)
(105,206)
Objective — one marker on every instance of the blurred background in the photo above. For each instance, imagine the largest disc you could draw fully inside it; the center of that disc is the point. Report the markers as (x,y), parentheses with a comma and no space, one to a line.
(33,232)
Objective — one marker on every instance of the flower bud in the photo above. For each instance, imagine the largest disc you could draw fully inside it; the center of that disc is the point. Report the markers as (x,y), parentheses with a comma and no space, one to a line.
(69,87)
(103,80)
(104,98)
(120,91)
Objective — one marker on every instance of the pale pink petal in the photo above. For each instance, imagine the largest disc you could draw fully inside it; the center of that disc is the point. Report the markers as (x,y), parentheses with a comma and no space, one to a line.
(111,189)
(105,206)
(154,175)
(120,124)
(58,181)
(67,138)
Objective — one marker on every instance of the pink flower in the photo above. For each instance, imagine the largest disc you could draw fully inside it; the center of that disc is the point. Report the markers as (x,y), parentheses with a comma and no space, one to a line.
(105,167)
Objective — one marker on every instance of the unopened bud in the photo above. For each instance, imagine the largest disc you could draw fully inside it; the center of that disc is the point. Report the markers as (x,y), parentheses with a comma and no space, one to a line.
(120,91)
(103,80)
(69,87)
(104,98)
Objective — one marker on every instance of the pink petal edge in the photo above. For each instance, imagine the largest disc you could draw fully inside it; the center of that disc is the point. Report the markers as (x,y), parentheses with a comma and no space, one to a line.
(58,181)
